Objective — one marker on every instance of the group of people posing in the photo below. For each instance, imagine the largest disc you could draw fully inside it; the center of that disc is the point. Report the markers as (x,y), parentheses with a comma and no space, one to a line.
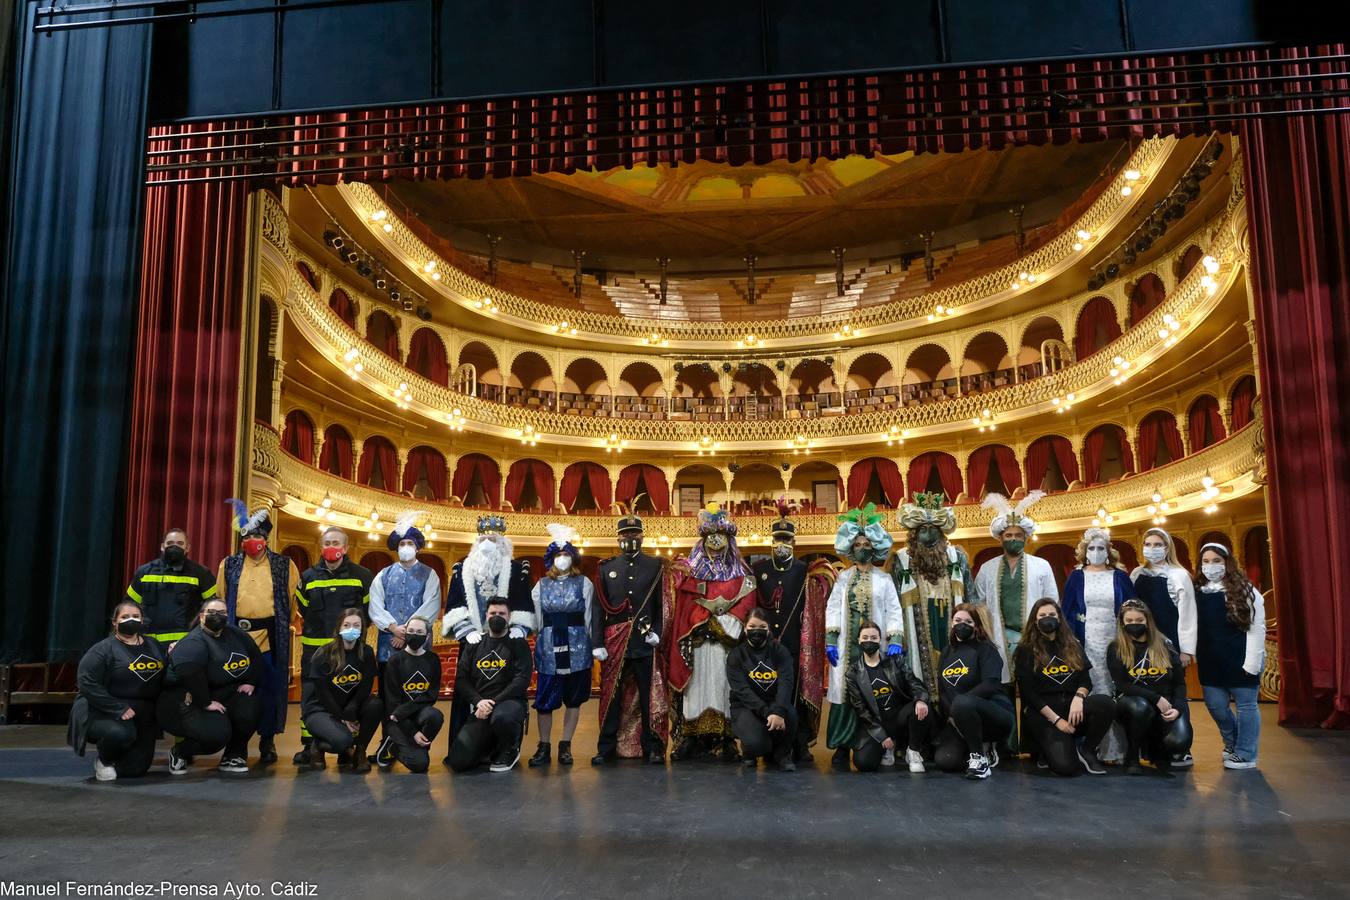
(710,654)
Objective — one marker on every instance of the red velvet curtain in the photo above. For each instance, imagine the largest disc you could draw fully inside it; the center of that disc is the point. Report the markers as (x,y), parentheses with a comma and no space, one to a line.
(649,477)
(382,332)
(1037,465)
(977,468)
(1093,446)
(920,467)
(600,487)
(1068,463)
(1243,396)
(426,356)
(859,477)
(184,424)
(1098,317)
(1298,202)
(488,474)
(433,462)
(1205,412)
(1038,460)
(1158,426)
(378,448)
(340,303)
(888,473)
(297,438)
(597,479)
(336,453)
(950,474)
(542,476)
(1146,297)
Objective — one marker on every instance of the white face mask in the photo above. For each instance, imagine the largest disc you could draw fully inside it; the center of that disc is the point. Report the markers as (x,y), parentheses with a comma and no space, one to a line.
(1155,554)
(562,562)
(407,553)
(1214,571)
(1096,556)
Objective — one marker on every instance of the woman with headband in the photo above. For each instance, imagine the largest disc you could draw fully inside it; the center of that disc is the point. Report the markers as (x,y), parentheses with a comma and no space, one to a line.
(1230,651)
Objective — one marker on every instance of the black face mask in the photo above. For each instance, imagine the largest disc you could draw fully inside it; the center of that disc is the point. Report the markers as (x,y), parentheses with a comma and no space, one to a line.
(1136,629)
(415,641)
(1048,625)
(129,627)
(174,555)
(630,546)
(215,621)
(963,631)
(869,647)
(758,637)
(497,625)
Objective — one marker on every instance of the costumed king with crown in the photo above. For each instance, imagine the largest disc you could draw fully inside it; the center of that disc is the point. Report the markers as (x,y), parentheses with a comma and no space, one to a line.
(1010,583)
(862,593)
(627,633)
(793,593)
(931,576)
(708,595)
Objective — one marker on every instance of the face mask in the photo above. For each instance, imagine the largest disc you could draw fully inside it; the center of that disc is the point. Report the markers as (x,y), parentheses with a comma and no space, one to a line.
(349,634)
(757,637)
(963,631)
(630,545)
(415,641)
(562,562)
(1014,547)
(928,535)
(869,647)
(782,552)
(407,554)
(497,625)
(254,546)
(715,543)
(215,621)
(1136,629)
(862,555)
(1214,571)
(332,554)
(1096,556)
(174,555)
(1048,625)
(1155,554)
(129,627)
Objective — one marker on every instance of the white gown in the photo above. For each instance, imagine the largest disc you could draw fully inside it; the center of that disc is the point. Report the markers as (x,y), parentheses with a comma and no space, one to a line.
(1099,596)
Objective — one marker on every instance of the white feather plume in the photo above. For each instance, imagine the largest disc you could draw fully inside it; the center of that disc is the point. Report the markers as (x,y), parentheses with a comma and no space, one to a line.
(562,534)
(406,521)
(255,521)
(1027,502)
(1000,505)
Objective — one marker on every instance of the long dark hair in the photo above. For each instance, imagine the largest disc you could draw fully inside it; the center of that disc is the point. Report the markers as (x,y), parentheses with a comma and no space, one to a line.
(332,657)
(145,620)
(1237,589)
(1038,645)
(977,614)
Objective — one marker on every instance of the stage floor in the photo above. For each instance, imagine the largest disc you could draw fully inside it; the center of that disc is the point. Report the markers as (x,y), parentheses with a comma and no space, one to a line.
(690,829)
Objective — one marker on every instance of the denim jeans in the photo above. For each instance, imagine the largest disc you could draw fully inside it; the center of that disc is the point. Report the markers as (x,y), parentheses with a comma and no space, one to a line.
(1239,733)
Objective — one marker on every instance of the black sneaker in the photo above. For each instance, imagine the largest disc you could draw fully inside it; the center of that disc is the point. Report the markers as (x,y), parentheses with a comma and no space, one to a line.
(505,760)
(656,758)
(840,757)
(787,765)
(1088,757)
(991,751)
(384,756)
(602,759)
(977,768)
(749,762)
(178,764)
(234,764)
(564,753)
(542,754)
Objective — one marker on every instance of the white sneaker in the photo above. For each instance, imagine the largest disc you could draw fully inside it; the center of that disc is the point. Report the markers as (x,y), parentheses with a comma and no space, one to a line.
(1237,762)
(178,765)
(1228,754)
(1185,760)
(978,767)
(235,764)
(888,758)
(102,772)
(915,760)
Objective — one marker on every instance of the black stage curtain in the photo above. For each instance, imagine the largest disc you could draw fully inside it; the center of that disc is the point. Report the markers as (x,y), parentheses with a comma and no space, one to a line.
(69,272)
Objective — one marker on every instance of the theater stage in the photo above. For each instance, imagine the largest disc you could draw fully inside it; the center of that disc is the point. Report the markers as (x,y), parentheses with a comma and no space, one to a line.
(692,829)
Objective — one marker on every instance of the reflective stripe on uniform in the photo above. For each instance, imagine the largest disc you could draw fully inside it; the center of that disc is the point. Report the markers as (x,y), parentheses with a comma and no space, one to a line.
(299,595)
(210,592)
(131,592)
(169,635)
(334,582)
(169,579)
(315,642)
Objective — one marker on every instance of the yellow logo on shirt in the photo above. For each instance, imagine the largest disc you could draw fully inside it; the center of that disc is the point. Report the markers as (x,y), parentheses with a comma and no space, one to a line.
(145,667)
(763,676)
(881,690)
(1057,670)
(490,665)
(347,679)
(236,665)
(416,685)
(955,672)
(1146,672)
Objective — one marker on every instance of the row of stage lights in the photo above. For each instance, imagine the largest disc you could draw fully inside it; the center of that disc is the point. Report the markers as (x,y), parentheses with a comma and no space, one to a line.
(1159,506)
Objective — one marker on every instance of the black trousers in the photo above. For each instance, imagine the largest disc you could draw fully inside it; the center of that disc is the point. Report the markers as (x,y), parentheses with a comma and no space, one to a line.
(332,733)
(909,731)
(1147,732)
(478,738)
(1058,749)
(971,723)
(205,732)
(128,745)
(428,720)
(639,668)
(756,738)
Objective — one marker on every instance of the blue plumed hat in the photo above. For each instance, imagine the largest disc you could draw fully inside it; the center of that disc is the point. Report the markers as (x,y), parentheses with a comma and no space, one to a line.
(563,536)
(405,530)
(244,523)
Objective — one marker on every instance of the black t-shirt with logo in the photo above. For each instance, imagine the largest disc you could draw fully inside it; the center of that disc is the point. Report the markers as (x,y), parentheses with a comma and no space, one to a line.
(762,681)
(1141,679)
(410,682)
(884,693)
(339,693)
(211,668)
(114,676)
(496,668)
(1052,684)
(969,667)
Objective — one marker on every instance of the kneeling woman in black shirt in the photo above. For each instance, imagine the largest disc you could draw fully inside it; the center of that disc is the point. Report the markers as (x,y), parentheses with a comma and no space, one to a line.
(209,695)
(336,702)
(763,707)
(1150,690)
(411,684)
(1058,705)
(892,705)
(119,680)
(975,704)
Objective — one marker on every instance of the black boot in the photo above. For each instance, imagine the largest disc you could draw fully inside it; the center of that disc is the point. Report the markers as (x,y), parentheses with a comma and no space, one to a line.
(840,757)
(267,751)
(360,764)
(656,757)
(684,750)
(730,752)
(542,754)
(301,757)
(564,753)
(749,762)
(602,759)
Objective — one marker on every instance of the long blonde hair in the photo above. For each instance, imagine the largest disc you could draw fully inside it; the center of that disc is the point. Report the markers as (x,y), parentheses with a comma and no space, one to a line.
(1158,657)
(1092,534)
(1171,559)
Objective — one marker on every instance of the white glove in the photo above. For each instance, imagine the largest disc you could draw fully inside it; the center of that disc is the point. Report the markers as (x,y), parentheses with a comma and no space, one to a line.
(517,631)
(600,653)
(446,627)
(652,638)
(473,637)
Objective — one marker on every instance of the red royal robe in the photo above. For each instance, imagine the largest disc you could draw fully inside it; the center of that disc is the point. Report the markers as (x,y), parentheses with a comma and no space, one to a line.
(692,601)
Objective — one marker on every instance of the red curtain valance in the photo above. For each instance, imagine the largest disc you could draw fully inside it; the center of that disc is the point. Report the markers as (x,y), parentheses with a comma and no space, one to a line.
(433,463)
(977,469)
(378,449)
(644,477)
(597,479)
(336,454)
(297,438)
(1205,413)
(426,357)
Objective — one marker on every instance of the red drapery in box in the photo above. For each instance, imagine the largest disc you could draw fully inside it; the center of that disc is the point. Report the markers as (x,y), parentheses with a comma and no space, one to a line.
(1097,327)
(1038,460)
(488,475)
(297,438)
(858,478)
(648,476)
(977,469)
(541,473)
(1094,448)
(382,332)
(1244,394)
(340,303)
(426,356)
(888,475)
(1156,426)
(1147,295)
(433,462)
(336,454)
(1205,412)
(597,479)
(378,448)
(949,473)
